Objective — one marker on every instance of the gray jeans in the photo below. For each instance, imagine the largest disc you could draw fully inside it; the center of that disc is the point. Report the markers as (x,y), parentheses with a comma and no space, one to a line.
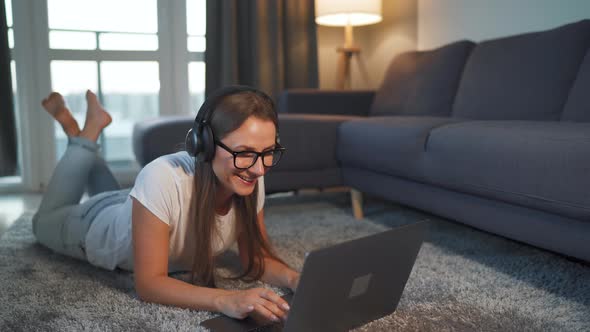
(61,222)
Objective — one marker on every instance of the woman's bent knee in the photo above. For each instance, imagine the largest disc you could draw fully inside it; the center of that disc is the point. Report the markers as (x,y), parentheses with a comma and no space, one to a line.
(61,231)
(44,234)
(47,228)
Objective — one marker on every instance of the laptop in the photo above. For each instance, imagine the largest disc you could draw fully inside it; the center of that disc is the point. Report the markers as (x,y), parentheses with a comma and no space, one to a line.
(346,285)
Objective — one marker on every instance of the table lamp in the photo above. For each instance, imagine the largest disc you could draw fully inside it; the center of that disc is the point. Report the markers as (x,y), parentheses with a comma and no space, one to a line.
(347,13)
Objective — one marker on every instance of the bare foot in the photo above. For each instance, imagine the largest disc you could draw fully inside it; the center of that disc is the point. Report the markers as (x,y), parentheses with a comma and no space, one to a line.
(55,105)
(97,118)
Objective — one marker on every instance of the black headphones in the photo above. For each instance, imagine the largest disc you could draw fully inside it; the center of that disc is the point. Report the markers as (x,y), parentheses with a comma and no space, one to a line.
(200,139)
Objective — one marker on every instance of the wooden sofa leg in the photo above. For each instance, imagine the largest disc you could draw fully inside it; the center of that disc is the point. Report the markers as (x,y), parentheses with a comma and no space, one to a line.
(357,203)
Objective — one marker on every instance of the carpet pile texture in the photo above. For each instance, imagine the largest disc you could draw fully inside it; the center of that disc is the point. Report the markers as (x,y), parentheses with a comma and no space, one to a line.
(463,279)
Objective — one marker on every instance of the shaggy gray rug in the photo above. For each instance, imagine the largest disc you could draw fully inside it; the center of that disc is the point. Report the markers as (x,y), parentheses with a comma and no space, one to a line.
(463,280)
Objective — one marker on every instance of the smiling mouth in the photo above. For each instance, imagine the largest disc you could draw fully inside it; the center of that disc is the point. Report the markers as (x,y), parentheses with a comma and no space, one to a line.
(248,180)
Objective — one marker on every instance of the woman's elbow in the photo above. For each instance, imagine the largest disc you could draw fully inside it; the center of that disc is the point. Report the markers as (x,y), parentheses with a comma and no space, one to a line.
(143,290)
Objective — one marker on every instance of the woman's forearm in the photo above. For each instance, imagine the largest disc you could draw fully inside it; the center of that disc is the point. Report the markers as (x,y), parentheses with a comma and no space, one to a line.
(278,274)
(170,291)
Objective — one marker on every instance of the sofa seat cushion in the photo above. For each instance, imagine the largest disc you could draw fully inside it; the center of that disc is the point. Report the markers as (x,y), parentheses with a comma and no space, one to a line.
(388,144)
(544,165)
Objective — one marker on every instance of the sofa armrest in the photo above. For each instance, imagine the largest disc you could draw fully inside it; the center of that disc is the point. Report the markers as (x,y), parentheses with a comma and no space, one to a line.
(335,102)
(156,137)
(310,160)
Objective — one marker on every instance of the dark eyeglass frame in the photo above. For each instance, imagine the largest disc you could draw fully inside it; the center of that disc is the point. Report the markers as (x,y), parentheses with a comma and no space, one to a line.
(258,154)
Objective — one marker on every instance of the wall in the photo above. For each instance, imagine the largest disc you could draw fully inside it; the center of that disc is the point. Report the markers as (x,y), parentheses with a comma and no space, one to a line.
(379,44)
(441,22)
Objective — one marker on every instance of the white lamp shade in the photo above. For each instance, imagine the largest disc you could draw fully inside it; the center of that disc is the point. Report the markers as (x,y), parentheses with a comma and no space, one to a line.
(344,12)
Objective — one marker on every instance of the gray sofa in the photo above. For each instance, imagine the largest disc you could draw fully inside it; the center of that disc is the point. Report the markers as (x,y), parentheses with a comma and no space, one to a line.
(495,135)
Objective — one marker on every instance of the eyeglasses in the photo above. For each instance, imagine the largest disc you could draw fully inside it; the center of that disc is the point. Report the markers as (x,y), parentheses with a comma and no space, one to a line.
(246,159)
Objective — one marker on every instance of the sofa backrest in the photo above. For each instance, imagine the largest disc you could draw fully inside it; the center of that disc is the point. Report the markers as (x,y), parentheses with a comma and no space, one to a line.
(523,77)
(577,107)
(422,82)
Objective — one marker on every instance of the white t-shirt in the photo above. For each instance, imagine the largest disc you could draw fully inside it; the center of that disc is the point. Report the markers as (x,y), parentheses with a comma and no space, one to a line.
(164,187)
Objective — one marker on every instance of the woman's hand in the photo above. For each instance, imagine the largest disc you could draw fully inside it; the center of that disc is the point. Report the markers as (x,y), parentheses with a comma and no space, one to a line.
(264,305)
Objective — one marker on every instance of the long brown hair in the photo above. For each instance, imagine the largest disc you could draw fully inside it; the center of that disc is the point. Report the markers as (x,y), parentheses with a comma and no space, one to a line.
(230,113)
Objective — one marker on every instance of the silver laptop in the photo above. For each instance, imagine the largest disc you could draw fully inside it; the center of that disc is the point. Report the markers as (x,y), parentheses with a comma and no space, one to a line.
(346,285)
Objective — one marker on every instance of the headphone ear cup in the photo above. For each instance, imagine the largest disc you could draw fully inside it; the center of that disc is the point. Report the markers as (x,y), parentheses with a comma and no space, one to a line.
(207,144)
(190,142)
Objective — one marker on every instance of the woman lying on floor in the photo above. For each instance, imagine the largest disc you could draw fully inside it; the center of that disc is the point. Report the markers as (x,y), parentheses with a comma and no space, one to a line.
(184,209)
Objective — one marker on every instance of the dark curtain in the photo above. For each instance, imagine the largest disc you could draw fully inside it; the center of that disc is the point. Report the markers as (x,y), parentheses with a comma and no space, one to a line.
(7,123)
(268,44)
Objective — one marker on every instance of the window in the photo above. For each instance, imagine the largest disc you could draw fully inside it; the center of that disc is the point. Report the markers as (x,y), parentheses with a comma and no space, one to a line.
(8,5)
(143,58)
(9,23)
(128,88)
(195,28)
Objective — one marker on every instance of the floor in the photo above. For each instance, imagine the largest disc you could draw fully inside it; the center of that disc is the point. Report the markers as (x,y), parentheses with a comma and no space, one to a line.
(13,205)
